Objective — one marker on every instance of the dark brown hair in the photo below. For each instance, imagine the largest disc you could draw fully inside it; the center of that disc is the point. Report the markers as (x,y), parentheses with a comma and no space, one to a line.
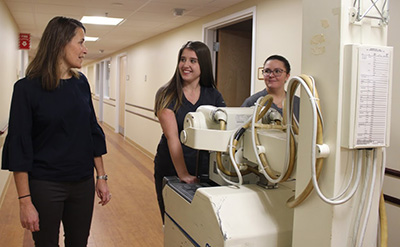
(59,31)
(173,89)
(282,59)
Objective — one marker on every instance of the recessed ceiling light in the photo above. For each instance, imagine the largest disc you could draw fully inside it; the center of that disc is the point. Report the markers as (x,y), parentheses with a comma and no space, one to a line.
(91,38)
(117,4)
(178,11)
(101,20)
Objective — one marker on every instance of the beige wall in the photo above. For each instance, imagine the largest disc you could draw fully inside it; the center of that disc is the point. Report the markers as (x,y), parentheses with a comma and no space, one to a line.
(392,185)
(9,73)
(279,31)
(109,112)
(9,62)
(152,62)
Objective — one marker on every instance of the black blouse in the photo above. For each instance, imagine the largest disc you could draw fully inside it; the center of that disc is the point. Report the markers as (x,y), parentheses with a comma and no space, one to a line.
(53,135)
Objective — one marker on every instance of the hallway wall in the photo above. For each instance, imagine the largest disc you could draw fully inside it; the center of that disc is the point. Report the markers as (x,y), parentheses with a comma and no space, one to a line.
(9,62)
(9,73)
(392,184)
(152,62)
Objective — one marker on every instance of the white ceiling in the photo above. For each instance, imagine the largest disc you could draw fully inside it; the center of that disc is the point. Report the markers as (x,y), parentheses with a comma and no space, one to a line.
(143,19)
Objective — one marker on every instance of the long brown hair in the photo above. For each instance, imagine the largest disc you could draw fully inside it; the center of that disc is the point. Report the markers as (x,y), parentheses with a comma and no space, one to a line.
(59,31)
(173,89)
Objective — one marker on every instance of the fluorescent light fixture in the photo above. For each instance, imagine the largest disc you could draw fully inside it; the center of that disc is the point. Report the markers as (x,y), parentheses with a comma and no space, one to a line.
(91,38)
(101,20)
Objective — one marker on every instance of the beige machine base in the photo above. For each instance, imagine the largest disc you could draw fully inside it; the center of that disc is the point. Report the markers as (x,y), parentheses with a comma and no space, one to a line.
(228,216)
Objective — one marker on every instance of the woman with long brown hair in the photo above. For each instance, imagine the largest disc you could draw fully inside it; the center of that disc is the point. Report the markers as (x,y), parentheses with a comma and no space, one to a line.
(192,85)
(54,142)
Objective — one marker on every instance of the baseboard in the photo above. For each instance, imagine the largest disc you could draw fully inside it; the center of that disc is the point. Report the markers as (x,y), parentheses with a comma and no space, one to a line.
(107,125)
(142,149)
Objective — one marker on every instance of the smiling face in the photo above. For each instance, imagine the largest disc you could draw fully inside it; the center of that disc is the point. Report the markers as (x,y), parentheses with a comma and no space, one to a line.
(273,81)
(189,67)
(75,50)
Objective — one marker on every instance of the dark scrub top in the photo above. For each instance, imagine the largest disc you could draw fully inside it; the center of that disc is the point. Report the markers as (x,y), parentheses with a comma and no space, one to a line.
(53,135)
(250,101)
(163,165)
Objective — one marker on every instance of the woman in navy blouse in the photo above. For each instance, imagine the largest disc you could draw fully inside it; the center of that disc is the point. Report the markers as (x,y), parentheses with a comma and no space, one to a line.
(54,142)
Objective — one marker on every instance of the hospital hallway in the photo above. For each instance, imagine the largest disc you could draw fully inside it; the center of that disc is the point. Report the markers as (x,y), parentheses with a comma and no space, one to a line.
(131,218)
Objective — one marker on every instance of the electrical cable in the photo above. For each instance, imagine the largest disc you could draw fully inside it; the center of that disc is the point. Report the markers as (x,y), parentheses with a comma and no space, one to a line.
(292,129)
(358,177)
(382,206)
(290,157)
(233,161)
(263,165)
(258,113)
(307,82)
(383,222)
(317,136)
(361,205)
(335,200)
(219,157)
(370,199)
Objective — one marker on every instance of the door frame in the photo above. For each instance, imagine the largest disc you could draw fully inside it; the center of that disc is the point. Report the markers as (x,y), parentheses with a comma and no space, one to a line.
(100,84)
(118,88)
(210,30)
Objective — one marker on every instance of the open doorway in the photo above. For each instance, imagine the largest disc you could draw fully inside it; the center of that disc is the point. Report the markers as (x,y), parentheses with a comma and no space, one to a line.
(232,41)
(233,62)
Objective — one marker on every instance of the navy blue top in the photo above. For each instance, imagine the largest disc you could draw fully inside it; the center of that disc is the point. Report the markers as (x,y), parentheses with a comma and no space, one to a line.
(162,162)
(250,101)
(53,135)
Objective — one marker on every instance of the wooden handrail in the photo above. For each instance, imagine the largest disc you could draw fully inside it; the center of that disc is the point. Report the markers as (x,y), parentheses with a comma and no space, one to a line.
(143,116)
(392,172)
(140,107)
(392,200)
(396,174)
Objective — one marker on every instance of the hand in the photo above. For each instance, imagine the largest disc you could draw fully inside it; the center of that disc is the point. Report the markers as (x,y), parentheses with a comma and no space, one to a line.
(29,216)
(189,179)
(103,192)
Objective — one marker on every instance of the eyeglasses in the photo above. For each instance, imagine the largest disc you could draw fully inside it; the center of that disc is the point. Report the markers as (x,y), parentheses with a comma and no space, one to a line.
(276,72)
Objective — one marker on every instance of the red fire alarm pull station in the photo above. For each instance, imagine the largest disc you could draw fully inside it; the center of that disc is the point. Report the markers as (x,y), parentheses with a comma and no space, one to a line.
(24,41)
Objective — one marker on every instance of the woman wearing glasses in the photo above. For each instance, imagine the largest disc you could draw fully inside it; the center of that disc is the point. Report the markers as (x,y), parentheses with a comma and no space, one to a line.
(276,72)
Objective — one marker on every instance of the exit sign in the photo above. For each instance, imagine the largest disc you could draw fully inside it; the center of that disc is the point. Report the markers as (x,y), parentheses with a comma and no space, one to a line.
(24,41)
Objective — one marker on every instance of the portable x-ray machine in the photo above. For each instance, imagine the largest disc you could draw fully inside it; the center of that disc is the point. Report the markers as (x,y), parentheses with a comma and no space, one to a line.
(250,196)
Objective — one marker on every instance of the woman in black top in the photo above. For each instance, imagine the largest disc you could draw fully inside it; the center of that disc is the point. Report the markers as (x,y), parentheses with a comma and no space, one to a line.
(276,72)
(191,86)
(54,141)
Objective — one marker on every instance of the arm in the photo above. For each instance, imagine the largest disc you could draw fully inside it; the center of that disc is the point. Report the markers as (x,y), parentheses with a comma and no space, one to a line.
(19,158)
(102,190)
(170,130)
(29,217)
(101,184)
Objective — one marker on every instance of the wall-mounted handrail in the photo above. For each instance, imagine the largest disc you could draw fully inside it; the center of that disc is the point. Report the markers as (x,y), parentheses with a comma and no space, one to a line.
(140,107)
(392,172)
(396,174)
(392,200)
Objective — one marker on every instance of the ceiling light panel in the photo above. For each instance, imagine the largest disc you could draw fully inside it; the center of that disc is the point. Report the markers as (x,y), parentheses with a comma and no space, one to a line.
(101,20)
